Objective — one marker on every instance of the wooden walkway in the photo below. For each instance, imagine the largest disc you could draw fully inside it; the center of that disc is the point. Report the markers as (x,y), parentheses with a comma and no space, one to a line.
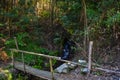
(36,72)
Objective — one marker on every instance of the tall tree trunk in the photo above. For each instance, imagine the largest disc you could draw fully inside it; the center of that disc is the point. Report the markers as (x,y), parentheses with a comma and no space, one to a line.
(52,12)
(85,26)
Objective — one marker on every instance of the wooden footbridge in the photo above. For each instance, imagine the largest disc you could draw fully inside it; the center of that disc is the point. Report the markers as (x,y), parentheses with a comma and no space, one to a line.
(36,72)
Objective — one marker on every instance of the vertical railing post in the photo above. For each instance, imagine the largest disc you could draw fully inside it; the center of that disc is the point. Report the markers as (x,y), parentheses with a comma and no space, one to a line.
(51,68)
(13,64)
(23,62)
(89,57)
(12,53)
(16,43)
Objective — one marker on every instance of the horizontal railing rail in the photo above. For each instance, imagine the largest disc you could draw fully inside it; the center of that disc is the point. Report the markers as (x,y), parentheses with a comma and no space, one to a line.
(48,56)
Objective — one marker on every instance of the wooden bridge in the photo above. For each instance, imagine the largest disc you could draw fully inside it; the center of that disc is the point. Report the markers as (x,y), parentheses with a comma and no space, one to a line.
(46,74)
(36,72)
(39,73)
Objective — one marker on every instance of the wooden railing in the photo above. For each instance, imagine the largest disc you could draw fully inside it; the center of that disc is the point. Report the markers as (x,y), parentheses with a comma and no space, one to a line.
(56,58)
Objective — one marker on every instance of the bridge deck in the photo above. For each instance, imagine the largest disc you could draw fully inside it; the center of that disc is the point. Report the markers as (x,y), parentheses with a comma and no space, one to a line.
(33,71)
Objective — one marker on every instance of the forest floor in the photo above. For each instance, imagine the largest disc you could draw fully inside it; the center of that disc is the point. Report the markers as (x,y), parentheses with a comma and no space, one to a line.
(76,75)
(95,75)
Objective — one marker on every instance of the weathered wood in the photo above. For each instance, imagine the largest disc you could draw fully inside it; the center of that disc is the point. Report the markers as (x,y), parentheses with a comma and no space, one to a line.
(23,61)
(108,71)
(33,71)
(16,43)
(12,56)
(47,56)
(51,68)
(89,56)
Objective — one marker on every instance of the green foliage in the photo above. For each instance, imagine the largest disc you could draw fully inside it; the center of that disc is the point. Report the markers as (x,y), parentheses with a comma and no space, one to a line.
(20,39)
(93,16)
(71,11)
(5,75)
(1,35)
(57,38)
(112,18)
(1,24)
(21,77)
(44,14)
(37,66)
(2,78)
(25,43)
(98,73)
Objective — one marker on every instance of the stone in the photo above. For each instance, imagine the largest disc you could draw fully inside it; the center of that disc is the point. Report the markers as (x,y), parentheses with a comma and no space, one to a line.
(71,66)
(65,68)
(84,70)
(62,68)
(82,61)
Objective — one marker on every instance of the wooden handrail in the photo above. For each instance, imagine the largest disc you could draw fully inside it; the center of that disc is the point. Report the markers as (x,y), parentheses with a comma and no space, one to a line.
(47,56)
(43,55)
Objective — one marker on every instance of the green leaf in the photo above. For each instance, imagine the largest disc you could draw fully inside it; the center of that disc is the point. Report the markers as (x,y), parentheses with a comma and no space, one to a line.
(1,24)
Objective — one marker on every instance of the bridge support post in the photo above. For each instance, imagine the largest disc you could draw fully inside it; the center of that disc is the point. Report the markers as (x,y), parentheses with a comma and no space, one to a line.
(51,68)
(23,62)
(12,53)
(89,57)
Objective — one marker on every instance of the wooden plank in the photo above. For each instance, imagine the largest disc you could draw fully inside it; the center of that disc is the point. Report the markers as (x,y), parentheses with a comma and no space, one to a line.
(33,71)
